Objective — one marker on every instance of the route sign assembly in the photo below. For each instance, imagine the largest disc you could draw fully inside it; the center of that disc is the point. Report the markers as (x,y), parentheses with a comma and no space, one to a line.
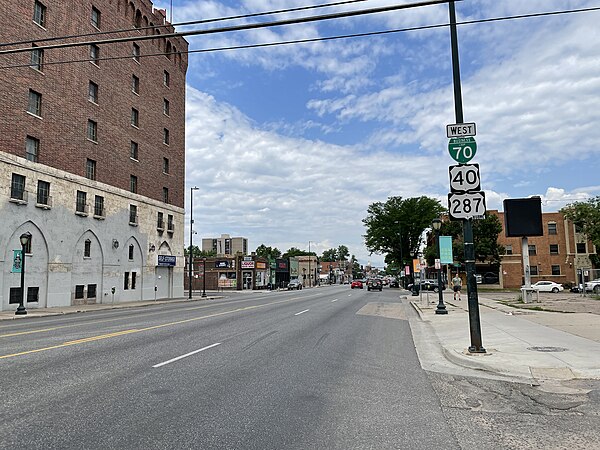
(460,130)
(462,149)
(468,205)
(464,178)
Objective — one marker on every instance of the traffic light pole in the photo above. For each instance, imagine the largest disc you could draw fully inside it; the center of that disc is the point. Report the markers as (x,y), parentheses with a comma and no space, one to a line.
(473,302)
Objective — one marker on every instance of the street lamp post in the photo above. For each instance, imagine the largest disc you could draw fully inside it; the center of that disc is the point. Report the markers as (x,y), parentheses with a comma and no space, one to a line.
(204,276)
(25,238)
(441,308)
(397,222)
(309,269)
(190,271)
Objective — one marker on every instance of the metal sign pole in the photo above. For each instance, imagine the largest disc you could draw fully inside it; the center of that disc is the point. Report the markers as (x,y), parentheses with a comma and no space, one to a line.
(474,320)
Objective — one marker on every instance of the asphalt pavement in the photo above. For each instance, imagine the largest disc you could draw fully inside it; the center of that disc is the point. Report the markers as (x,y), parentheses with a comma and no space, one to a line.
(555,339)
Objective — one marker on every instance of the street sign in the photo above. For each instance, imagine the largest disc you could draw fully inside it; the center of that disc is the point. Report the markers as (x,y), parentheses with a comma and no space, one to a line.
(462,149)
(464,178)
(469,205)
(460,130)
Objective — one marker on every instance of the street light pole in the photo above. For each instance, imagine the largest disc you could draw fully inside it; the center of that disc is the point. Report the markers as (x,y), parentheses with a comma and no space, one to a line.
(204,276)
(397,222)
(309,269)
(441,308)
(190,264)
(25,238)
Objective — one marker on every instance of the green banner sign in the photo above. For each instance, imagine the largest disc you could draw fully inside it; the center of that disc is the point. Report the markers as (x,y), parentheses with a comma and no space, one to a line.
(446,249)
(17,262)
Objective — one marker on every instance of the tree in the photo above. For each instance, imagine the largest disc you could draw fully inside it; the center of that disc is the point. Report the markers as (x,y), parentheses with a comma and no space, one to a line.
(329,255)
(586,215)
(267,252)
(297,252)
(342,253)
(197,253)
(395,227)
(485,239)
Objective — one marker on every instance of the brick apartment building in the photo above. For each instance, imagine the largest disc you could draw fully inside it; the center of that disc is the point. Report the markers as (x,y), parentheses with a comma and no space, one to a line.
(226,245)
(555,256)
(92,153)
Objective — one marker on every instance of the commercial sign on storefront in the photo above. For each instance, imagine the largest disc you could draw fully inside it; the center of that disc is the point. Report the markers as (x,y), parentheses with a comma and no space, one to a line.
(167,260)
(261,265)
(221,264)
(247,264)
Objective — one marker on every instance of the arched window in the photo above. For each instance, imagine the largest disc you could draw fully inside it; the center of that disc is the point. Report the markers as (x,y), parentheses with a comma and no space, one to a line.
(131,252)
(87,248)
(168,50)
(138,19)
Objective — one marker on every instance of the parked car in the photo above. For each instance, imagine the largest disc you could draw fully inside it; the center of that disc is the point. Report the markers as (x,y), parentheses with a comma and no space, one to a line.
(490,278)
(394,284)
(356,284)
(374,284)
(294,284)
(428,285)
(593,286)
(547,286)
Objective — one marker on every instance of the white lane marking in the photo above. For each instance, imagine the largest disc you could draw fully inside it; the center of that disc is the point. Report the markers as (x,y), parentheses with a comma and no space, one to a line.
(349,295)
(334,300)
(185,356)
(302,312)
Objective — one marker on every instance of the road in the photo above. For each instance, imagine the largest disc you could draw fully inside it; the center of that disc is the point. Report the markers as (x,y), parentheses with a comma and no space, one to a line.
(319,368)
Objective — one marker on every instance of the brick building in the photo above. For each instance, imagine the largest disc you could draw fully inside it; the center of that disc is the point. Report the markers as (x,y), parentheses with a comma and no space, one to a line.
(226,245)
(92,153)
(555,256)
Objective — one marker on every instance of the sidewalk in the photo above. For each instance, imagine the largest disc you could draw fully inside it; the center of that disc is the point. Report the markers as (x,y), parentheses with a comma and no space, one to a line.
(528,345)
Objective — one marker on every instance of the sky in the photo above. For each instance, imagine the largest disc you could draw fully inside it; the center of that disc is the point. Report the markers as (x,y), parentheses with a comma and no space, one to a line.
(290,144)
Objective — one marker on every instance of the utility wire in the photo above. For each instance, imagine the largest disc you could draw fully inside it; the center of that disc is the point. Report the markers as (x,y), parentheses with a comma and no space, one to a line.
(319,39)
(251,26)
(193,22)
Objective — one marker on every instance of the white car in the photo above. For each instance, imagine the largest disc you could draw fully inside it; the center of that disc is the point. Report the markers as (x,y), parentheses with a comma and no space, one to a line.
(593,286)
(547,286)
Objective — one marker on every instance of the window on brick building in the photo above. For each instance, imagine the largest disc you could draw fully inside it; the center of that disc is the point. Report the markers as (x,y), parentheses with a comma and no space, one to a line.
(135,117)
(170,224)
(99,206)
(133,152)
(166,78)
(554,249)
(81,202)
(136,52)
(133,184)
(166,136)
(533,270)
(37,58)
(581,248)
(87,248)
(165,165)
(90,169)
(160,222)
(17,187)
(32,148)
(555,269)
(35,103)
(508,250)
(532,250)
(165,195)
(135,84)
(92,130)
(43,193)
(93,92)
(96,17)
(94,54)
(39,13)
(166,107)
(552,228)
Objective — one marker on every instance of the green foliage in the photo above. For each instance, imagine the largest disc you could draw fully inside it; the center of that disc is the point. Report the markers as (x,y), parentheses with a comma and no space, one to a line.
(197,253)
(343,253)
(329,255)
(485,239)
(267,252)
(297,252)
(587,216)
(395,227)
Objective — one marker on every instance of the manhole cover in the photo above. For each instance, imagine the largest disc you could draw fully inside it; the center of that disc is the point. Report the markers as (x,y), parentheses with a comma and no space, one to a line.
(547,349)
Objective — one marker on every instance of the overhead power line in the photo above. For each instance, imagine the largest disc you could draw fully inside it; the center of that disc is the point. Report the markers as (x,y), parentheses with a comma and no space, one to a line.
(243,27)
(181,24)
(321,39)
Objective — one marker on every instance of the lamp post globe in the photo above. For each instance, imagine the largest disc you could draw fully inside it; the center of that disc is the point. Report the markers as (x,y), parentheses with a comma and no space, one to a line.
(25,238)
(436,224)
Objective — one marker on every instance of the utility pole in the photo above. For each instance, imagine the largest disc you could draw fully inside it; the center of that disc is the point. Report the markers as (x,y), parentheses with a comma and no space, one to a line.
(473,302)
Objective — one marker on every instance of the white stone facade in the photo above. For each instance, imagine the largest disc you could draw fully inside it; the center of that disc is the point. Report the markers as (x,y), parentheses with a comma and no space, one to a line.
(74,254)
